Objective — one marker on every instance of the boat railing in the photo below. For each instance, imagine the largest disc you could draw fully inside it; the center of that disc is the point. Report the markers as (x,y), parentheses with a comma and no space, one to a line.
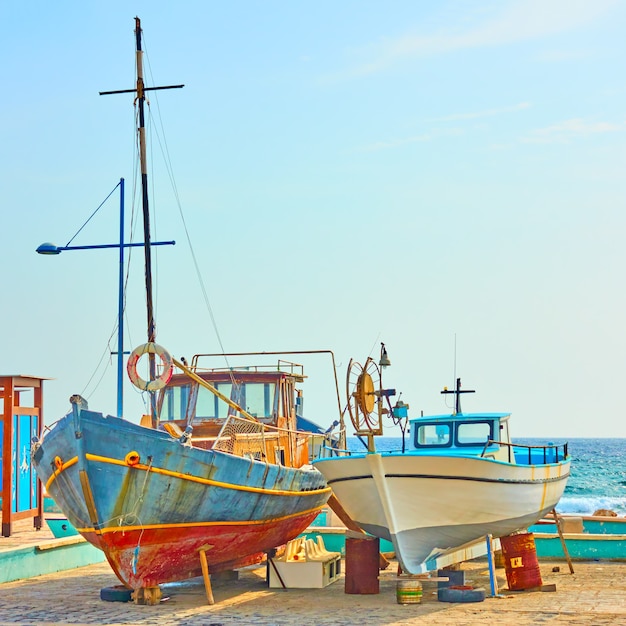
(329,450)
(256,440)
(280,365)
(531,455)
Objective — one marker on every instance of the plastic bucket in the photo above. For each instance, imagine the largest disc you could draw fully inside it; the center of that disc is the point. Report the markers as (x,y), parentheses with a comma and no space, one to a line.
(408,591)
(520,561)
(362,565)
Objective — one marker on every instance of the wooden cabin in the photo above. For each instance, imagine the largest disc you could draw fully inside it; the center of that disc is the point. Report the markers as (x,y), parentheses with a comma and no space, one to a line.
(267,394)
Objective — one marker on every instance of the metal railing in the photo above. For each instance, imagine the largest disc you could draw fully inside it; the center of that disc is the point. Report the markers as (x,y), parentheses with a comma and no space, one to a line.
(559,452)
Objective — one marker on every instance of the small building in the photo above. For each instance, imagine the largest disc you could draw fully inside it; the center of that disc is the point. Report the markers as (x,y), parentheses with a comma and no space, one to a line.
(21,419)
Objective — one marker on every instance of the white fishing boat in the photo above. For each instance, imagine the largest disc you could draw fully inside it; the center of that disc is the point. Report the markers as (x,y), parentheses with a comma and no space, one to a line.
(458,476)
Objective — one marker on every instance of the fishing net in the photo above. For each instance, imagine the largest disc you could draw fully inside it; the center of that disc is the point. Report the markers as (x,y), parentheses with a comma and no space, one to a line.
(243,437)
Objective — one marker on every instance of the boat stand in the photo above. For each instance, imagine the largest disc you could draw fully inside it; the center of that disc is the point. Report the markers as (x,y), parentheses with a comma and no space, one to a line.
(493,581)
(147,595)
(557,521)
(351,525)
(207,577)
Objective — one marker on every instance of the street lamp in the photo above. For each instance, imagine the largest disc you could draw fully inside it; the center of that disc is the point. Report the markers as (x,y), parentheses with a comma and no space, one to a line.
(51,249)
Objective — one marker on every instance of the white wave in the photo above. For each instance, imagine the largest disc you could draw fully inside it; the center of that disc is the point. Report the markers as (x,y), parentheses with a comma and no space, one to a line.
(586,506)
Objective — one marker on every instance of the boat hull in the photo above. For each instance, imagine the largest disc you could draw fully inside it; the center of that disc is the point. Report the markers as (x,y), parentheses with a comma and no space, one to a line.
(152,503)
(428,505)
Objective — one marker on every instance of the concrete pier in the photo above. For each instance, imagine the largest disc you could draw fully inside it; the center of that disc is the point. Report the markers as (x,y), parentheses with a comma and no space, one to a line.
(594,594)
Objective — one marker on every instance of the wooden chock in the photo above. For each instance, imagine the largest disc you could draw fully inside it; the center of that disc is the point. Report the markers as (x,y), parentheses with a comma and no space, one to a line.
(147,595)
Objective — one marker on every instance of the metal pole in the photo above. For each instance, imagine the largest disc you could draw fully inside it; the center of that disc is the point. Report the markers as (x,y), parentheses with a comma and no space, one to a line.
(493,581)
(120,313)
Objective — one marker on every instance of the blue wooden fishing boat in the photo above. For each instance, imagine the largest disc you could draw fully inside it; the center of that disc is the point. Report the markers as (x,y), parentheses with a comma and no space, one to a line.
(458,478)
(216,475)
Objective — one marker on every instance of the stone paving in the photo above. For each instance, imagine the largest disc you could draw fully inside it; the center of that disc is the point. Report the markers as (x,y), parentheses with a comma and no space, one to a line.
(595,594)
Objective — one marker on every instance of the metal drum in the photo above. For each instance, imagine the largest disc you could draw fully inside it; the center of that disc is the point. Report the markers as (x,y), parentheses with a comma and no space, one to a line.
(362,565)
(520,561)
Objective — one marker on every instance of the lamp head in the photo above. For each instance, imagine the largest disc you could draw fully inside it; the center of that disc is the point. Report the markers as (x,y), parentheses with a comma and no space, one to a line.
(48,248)
(384,359)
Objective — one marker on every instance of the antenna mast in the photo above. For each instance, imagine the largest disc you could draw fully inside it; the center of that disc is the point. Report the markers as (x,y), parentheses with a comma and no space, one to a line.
(457,393)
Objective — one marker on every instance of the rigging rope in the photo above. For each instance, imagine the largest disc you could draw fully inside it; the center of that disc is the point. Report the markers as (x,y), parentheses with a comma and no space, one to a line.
(170,171)
(153,129)
(89,218)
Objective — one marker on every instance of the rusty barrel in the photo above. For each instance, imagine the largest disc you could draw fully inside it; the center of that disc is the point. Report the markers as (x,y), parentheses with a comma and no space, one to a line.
(362,565)
(520,561)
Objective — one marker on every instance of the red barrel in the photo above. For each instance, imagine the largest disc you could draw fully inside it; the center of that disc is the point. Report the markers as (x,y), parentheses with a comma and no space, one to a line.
(362,565)
(520,561)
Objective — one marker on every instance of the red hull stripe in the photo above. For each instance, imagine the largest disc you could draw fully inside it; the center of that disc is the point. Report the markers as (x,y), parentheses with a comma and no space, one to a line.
(243,522)
(145,558)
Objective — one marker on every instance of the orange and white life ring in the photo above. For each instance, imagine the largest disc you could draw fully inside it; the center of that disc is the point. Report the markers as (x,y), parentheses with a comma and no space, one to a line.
(166,361)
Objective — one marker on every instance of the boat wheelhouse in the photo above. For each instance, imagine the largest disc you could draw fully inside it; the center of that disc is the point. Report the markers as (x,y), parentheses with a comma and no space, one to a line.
(477,434)
(269,393)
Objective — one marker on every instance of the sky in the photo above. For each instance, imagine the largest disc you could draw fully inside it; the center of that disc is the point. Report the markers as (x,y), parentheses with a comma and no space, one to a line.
(447,178)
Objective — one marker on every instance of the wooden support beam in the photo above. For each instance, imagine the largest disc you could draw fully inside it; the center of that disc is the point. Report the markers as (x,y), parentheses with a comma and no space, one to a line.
(350,524)
(207,577)
(557,521)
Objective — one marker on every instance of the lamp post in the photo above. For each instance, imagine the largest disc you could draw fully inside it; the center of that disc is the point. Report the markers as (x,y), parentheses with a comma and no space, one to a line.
(51,249)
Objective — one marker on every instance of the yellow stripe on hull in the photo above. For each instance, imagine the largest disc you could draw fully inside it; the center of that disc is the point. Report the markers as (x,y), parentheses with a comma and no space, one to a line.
(57,471)
(195,479)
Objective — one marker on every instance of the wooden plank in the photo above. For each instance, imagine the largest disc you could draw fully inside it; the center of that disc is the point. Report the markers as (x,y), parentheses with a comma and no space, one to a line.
(563,544)
(57,543)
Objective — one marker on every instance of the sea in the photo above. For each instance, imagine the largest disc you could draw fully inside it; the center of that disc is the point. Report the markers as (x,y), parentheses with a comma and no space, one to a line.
(597,473)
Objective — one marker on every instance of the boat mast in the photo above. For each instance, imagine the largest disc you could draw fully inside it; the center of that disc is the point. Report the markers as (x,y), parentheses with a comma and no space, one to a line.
(141,97)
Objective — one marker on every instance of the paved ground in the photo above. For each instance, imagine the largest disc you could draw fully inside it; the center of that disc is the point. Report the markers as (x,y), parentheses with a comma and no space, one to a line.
(595,594)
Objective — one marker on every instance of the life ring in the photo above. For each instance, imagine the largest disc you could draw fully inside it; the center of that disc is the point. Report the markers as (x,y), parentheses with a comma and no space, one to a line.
(166,361)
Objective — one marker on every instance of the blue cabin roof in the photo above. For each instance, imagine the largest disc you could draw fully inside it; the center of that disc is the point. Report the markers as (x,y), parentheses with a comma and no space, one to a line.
(459,416)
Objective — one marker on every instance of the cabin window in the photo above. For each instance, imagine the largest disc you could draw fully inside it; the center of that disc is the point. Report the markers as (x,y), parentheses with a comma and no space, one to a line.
(175,403)
(428,435)
(255,398)
(474,433)
(208,405)
(279,455)
(258,399)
